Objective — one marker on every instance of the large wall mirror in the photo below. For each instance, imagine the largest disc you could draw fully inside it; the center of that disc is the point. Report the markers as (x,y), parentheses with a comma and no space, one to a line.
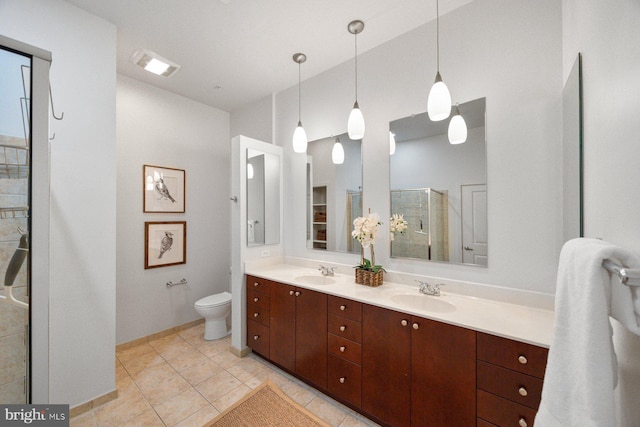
(440,188)
(334,193)
(263,198)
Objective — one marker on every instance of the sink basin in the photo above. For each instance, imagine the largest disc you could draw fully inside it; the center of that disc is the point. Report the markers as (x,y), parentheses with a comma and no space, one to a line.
(423,302)
(315,280)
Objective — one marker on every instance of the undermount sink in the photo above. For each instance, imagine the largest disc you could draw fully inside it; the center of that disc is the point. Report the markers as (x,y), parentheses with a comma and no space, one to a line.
(423,302)
(315,280)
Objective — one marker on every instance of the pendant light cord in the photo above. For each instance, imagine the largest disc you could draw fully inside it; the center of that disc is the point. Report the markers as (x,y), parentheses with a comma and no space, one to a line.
(356,57)
(299,94)
(437,37)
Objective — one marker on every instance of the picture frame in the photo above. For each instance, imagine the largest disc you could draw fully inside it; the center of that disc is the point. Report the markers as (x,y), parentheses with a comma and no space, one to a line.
(165,243)
(163,189)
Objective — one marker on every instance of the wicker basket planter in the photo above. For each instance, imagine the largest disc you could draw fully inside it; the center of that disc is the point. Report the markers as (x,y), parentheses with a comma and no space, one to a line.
(368,278)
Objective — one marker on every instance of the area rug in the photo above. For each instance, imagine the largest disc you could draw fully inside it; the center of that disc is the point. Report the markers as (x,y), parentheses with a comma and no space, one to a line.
(266,406)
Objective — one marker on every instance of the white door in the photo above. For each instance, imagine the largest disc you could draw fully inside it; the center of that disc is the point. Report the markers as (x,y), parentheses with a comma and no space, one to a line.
(474,224)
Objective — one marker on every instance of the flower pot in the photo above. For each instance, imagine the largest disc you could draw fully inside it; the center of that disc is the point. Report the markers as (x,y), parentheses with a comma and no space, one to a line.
(368,278)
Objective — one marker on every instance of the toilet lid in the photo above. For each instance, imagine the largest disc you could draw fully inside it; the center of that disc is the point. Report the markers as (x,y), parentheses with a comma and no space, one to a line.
(214,300)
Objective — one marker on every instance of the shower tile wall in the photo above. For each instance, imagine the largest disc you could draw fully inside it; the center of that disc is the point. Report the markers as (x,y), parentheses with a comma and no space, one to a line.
(13,320)
(413,204)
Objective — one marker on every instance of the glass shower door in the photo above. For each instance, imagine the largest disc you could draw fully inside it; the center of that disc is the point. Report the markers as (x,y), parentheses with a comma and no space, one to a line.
(15,167)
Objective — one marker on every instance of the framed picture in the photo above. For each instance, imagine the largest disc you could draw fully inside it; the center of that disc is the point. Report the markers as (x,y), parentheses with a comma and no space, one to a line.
(163,189)
(165,243)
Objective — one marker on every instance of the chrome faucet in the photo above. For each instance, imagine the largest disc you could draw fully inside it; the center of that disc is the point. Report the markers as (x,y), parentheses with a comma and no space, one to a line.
(326,271)
(427,289)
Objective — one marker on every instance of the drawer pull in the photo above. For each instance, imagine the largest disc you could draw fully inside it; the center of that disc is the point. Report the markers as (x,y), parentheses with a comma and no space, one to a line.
(255,337)
(343,328)
(404,322)
(416,326)
(297,294)
(343,307)
(342,380)
(256,314)
(342,349)
(255,284)
(256,299)
(290,292)
(522,391)
(522,359)
(522,422)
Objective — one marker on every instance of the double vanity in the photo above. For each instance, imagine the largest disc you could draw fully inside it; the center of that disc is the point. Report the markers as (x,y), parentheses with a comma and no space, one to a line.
(397,356)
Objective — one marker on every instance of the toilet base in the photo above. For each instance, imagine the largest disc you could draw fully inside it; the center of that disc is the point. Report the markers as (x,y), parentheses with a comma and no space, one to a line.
(215,329)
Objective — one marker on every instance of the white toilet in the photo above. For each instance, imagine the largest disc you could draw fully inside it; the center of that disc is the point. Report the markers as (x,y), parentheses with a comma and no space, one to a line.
(216,310)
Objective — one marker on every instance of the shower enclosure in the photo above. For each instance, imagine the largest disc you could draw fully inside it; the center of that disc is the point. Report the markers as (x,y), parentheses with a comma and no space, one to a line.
(427,234)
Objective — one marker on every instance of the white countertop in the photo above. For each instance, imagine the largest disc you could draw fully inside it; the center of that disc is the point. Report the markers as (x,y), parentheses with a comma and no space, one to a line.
(519,322)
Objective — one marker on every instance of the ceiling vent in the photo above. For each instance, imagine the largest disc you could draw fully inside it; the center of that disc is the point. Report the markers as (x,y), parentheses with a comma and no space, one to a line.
(154,63)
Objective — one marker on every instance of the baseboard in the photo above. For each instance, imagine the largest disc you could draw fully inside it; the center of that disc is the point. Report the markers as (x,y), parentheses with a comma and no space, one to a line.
(175,329)
(93,403)
(239,353)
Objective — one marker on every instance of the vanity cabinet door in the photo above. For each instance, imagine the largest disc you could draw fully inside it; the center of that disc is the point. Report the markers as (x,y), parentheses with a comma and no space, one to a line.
(282,325)
(311,336)
(443,374)
(386,365)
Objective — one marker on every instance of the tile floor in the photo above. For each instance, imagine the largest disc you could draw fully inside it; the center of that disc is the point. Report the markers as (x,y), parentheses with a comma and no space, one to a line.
(182,380)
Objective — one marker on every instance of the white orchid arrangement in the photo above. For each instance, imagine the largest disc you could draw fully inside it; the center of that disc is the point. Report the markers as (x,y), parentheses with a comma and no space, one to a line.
(365,229)
(397,224)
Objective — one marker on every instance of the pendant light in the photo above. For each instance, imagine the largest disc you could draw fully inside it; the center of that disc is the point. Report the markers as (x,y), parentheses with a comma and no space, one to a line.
(392,143)
(299,135)
(457,128)
(355,125)
(249,171)
(337,153)
(439,100)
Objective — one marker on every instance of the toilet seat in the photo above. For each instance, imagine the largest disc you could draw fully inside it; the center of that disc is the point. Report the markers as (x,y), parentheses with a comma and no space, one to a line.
(214,300)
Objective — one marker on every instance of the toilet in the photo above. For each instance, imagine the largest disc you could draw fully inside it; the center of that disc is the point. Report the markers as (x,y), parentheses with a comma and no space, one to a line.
(216,310)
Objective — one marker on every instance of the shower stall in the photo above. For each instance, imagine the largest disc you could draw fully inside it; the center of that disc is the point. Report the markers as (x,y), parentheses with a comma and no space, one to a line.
(427,235)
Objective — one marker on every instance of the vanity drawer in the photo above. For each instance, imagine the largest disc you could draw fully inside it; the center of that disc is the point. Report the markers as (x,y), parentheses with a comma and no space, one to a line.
(344,348)
(483,423)
(503,412)
(257,298)
(258,284)
(258,313)
(512,385)
(345,328)
(345,308)
(258,337)
(526,358)
(344,380)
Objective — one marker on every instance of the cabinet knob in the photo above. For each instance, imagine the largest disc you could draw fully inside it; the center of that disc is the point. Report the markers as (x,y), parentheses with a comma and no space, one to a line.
(342,349)
(256,314)
(522,391)
(255,337)
(522,359)
(404,322)
(522,422)
(343,307)
(343,328)
(416,326)
(255,284)
(290,292)
(297,293)
(342,380)
(256,299)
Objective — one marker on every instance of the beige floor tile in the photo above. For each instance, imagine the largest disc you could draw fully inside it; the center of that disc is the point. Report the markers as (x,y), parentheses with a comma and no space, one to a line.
(153,373)
(192,331)
(226,359)
(146,419)
(181,407)
(357,421)
(209,348)
(327,410)
(176,349)
(119,411)
(88,419)
(230,398)
(199,373)
(300,393)
(164,389)
(276,377)
(121,372)
(200,418)
(141,362)
(217,386)
(160,343)
(188,360)
(134,352)
(246,368)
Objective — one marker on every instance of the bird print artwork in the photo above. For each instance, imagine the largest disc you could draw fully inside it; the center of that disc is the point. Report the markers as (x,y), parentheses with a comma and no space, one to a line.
(161,187)
(166,243)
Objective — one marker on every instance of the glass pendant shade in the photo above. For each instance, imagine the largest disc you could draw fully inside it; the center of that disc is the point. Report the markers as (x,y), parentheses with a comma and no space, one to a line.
(249,171)
(392,143)
(337,153)
(439,101)
(299,139)
(355,124)
(457,129)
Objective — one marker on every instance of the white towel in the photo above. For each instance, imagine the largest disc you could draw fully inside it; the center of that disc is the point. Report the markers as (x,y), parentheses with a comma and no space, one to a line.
(582,368)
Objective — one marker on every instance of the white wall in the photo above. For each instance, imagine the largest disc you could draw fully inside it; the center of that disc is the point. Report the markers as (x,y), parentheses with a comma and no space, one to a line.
(156,127)
(608,35)
(254,120)
(83,192)
(509,51)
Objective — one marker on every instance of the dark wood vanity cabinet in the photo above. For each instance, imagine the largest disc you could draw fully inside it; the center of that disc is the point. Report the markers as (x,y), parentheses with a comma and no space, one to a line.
(298,332)
(258,302)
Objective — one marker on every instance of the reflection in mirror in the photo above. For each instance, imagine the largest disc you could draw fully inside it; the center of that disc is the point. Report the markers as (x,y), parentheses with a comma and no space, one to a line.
(572,182)
(263,198)
(440,188)
(334,194)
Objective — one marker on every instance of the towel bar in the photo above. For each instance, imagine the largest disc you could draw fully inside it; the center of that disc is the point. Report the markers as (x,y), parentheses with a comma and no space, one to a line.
(628,276)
